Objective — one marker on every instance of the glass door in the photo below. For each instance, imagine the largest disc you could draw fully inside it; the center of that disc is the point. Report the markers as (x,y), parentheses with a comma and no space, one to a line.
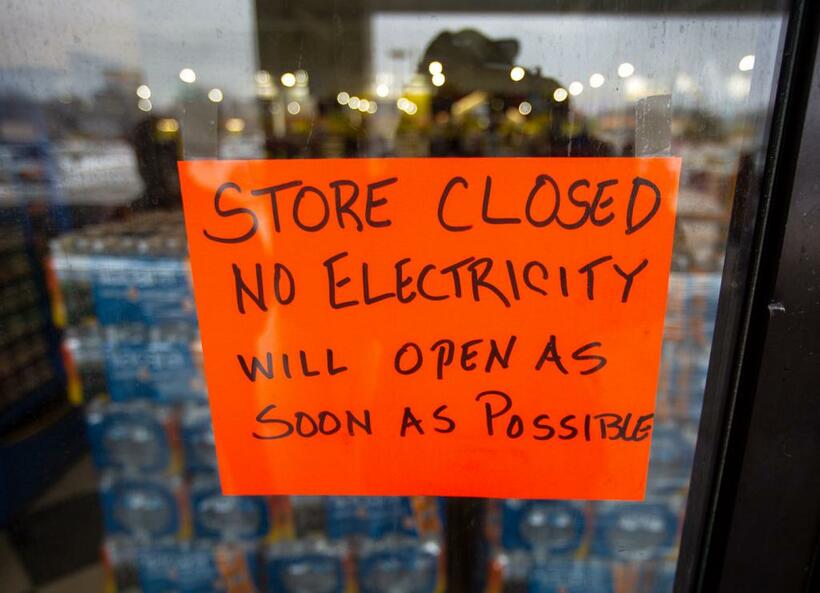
(104,362)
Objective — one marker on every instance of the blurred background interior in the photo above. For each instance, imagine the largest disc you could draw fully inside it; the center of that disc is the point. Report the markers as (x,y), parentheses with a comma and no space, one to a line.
(107,475)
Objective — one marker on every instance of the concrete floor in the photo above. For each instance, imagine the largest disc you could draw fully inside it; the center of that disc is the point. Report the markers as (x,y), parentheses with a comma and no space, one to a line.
(79,479)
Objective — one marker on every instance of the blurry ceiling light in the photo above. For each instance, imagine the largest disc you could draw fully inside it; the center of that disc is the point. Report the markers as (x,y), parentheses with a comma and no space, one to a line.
(187,75)
(746,63)
(382,90)
(215,95)
(739,86)
(411,109)
(235,124)
(575,88)
(517,73)
(468,103)
(373,108)
(364,105)
(144,105)
(353,102)
(418,83)
(596,80)
(294,107)
(626,70)
(435,68)
(301,77)
(168,125)
(265,91)
(524,108)
(288,79)
(438,79)
(684,83)
(262,77)
(560,94)
(342,98)
(403,103)
(636,88)
(143,92)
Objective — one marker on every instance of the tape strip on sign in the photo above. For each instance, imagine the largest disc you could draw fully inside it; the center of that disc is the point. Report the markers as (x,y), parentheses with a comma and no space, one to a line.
(455,327)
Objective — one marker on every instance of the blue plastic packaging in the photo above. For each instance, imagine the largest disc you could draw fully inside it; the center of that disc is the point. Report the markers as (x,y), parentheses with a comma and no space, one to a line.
(142,507)
(636,531)
(146,290)
(670,461)
(185,568)
(399,565)
(664,578)
(571,576)
(198,440)
(156,363)
(132,437)
(554,527)
(307,566)
(227,518)
(369,516)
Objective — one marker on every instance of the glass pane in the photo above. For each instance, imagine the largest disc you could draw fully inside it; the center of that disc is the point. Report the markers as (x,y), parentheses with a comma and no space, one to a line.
(106,432)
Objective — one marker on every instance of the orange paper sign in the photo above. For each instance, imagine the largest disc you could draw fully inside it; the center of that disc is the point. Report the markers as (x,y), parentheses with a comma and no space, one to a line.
(459,327)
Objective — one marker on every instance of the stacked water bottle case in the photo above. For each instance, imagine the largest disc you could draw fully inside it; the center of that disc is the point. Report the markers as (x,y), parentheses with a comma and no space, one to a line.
(620,547)
(134,342)
(133,336)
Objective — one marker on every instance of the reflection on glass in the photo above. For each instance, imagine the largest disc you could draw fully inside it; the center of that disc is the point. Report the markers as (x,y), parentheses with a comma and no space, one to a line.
(98,104)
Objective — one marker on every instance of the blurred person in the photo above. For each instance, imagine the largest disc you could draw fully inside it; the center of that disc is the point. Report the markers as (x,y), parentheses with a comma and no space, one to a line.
(157,153)
(477,108)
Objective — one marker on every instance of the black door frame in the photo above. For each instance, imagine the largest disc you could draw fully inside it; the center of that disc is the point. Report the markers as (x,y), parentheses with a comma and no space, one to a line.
(753,514)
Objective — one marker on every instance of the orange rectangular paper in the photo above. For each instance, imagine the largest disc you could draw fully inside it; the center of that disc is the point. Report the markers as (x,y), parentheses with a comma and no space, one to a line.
(458,327)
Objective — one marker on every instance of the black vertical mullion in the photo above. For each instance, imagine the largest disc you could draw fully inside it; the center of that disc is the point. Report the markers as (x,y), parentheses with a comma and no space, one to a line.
(752,256)
(466,562)
(772,532)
